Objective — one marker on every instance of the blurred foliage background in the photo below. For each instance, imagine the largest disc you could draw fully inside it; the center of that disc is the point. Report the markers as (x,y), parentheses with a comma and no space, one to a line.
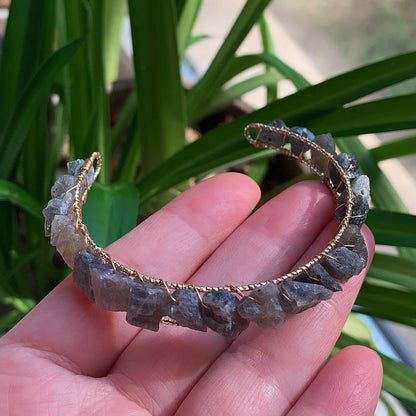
(58,62)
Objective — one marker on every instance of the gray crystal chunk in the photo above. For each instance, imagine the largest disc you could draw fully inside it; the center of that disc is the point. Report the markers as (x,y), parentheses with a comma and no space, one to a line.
(62,185)
(298,296)
(272,137)
(56,206)
(74,169)
(188,309)
(67,240)
(361,186)
(111,288)
(263,307)
(342,263)
(354,241)
(221,314)
(147,305)
(327,143)
(297,147)
(359,210)
(81,274)
(349,164)
(361,200)
(318,275)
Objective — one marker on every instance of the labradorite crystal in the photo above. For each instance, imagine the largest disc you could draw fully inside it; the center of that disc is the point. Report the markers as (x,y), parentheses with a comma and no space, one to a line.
(263,307)
(74,169)
(56,206)
(63,184)
(318,275)
(354,241)
(111,288)
(81,274)
(67,240)
(271,137)
(342,264)
(188,309)
(296,146)
(327,143)
(298,296)
(147,305)
(349,164)
(221,314)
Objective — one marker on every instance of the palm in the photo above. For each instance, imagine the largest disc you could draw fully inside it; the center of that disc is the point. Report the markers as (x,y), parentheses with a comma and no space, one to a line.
(68,357)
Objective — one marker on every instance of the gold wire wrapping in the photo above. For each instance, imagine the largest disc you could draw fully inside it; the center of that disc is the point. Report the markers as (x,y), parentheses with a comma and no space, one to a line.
(79,200)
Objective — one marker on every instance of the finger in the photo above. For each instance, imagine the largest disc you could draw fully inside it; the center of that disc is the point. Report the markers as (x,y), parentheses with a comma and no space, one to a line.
(276,366)
(348,385)
(266,245)
(171,244)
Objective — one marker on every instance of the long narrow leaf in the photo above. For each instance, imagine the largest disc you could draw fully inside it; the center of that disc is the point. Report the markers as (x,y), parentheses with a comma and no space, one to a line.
(398,380)
(393,228)
(244,62)
(394,269)
(395,149)
(396,113)
(234,92)
(32,96)
(186,23)
(18,196)
(160,105)
(300,108)
(209,83)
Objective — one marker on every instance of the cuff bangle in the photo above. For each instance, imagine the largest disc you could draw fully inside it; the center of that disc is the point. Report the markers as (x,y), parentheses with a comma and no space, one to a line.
(228,309)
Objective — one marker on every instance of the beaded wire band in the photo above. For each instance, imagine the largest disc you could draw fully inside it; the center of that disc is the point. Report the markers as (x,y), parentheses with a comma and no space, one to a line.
(277,136)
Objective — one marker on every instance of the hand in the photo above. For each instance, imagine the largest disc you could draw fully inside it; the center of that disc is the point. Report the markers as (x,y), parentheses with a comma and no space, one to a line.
(69,358)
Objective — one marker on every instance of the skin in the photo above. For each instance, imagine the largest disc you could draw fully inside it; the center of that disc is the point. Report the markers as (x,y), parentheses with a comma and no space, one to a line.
(69,358)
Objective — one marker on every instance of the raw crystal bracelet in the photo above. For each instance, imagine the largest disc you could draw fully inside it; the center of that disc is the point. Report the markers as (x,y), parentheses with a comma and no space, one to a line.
(227,310)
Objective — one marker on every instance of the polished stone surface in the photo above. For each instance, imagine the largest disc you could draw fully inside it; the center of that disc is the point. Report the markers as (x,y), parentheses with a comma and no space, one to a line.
(188,309)
(221,314)
(262,306)
(298,296)
(147,305)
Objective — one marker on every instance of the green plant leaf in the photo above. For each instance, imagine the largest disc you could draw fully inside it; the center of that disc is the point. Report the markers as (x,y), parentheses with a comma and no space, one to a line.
(393,228)
(212,78)
(186,22)
(110,211)
(114,13)
(37,89)
(397,305)
(394,269)
(268,47)
(244,62)
(395,113)
(225,142)
(398,379)
(160,101)
(395,149)
(234,92)
(18,196)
